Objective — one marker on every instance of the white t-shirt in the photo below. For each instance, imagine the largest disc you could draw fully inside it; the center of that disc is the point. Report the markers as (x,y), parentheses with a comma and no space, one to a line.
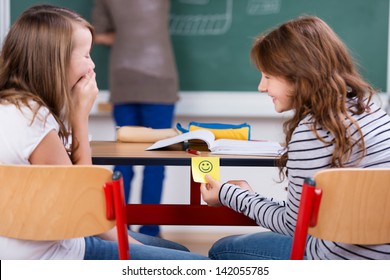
(19,136)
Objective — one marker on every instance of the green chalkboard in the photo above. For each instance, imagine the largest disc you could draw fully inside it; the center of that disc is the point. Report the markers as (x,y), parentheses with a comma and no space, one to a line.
(212,38)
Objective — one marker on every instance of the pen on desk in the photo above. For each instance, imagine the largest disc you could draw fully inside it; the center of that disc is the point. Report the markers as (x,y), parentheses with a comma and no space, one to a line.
(194,152)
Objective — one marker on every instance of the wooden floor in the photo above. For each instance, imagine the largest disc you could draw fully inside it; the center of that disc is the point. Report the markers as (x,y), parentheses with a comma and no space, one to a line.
(196,242)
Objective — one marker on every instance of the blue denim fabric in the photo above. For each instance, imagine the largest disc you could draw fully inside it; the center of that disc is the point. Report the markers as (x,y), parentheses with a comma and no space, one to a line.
(153,249)
(255,246)
(147,115)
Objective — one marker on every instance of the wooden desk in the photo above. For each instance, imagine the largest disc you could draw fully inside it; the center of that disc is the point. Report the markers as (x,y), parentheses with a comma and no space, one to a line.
(116,153)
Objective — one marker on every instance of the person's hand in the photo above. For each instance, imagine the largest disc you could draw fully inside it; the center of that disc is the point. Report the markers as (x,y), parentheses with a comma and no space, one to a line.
(84,94)
(242,184)
(210,191)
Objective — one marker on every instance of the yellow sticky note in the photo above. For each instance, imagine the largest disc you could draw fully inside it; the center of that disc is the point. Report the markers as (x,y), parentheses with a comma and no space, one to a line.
(202,166)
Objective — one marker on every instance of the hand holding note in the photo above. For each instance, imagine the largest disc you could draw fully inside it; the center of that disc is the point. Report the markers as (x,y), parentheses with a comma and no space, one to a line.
(202,166)
(210,191)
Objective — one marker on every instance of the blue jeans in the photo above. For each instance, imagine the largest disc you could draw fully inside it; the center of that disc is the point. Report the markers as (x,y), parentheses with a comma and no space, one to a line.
(254,246)
(154,248)
(147,115)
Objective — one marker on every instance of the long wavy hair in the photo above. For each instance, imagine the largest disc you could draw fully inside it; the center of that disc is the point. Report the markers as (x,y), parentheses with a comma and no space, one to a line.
(34,62)
(307,53)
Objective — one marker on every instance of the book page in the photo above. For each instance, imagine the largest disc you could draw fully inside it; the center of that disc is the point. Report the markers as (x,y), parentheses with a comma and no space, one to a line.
(244,147)
(204,135)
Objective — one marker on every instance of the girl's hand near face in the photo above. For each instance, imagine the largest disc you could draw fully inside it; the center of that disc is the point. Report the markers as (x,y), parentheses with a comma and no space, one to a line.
(84,94)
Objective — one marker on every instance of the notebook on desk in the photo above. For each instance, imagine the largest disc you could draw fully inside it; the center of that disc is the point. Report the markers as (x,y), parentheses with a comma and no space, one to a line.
(222,146)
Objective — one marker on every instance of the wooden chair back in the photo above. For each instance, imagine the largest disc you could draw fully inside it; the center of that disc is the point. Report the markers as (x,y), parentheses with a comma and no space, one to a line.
(42,202)
(347,205)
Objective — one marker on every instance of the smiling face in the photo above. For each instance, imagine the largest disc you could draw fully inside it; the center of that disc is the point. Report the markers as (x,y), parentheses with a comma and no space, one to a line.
(279,90)
(80,62)
(205,166)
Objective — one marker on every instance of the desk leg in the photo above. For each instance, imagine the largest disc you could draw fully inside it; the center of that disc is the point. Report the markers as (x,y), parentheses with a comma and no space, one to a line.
(195,197)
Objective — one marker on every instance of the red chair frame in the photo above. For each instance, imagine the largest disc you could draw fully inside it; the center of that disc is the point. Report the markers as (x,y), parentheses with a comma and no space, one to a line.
(116,210)
(307,217)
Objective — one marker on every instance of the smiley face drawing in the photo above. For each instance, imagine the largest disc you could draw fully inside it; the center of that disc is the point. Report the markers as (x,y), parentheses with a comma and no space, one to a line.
(205,166)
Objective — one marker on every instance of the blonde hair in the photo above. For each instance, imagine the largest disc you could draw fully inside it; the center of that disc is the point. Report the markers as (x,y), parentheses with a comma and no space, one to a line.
(308,54)
(35,59)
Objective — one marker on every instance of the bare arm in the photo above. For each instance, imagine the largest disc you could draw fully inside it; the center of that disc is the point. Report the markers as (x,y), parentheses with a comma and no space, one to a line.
(83,96)
(105,38)
(50,150)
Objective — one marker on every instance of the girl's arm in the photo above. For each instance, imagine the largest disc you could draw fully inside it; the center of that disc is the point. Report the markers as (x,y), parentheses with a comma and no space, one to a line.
(50,150)
(107,39)
(210,191)
(83,96)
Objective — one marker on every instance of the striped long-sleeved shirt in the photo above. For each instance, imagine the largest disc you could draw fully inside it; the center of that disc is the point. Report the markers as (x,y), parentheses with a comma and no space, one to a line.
(307,155)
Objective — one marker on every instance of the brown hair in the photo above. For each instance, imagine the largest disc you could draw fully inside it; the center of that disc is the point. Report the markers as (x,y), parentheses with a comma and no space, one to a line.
(35,59)
(307,53)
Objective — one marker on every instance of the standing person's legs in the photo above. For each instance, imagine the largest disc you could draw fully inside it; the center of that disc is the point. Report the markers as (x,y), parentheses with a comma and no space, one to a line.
(256,246)
(126,114)
(156,116)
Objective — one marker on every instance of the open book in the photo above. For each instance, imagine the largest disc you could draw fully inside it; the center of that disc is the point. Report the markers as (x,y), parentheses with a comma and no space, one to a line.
(223,146)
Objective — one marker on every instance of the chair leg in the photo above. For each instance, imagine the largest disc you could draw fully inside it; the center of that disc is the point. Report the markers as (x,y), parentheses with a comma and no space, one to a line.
(304,215)
(120,216)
